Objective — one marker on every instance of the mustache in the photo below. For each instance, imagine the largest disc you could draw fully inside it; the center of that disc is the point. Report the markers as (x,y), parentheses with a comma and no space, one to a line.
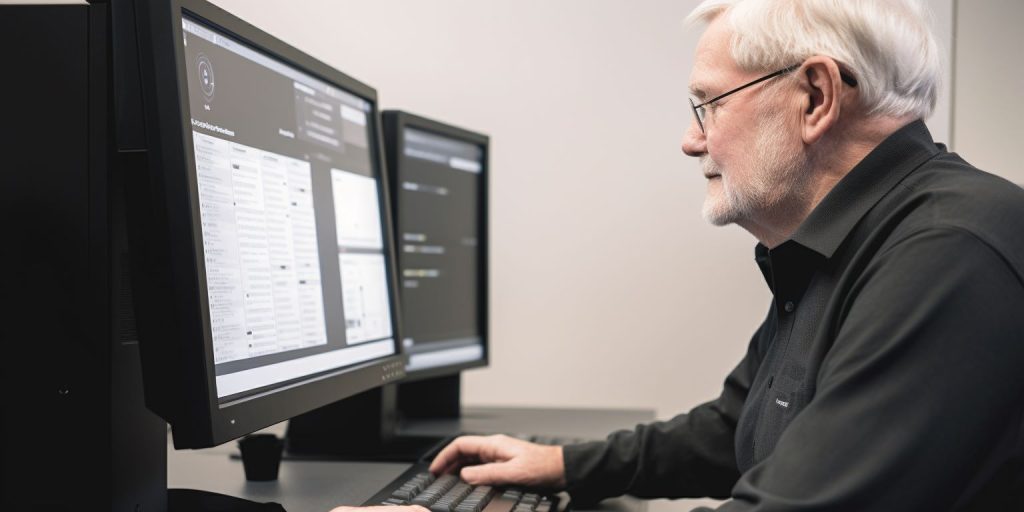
(709,166)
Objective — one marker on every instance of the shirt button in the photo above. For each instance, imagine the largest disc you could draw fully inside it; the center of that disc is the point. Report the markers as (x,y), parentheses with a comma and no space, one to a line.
(789,306)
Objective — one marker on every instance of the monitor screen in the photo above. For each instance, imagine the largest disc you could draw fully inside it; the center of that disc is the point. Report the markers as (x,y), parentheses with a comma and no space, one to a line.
(440,228)
(267,285)
(290,217)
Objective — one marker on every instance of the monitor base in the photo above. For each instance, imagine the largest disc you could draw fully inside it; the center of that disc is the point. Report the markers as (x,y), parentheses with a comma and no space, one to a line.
(192,500)
(431,398)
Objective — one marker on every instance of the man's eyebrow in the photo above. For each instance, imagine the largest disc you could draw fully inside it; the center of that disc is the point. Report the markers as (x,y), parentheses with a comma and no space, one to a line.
(697,92)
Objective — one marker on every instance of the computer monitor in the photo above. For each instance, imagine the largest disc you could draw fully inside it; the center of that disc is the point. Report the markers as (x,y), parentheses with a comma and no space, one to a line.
(439,188)
(439,184)
(261,231)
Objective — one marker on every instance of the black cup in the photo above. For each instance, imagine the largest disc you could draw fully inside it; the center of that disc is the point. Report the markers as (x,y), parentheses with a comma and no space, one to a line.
(261,456)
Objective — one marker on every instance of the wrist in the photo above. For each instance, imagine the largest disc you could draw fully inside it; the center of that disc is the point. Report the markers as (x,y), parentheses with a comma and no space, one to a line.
(557,472)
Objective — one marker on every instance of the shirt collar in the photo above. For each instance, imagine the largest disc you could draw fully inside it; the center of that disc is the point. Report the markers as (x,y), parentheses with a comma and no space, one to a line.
(864,186)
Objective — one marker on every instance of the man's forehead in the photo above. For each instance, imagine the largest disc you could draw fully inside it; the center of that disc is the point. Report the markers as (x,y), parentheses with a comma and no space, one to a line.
(703,80)
(712,59)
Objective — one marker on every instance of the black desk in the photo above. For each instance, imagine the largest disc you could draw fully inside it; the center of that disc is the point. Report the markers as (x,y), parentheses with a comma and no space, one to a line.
(312,486)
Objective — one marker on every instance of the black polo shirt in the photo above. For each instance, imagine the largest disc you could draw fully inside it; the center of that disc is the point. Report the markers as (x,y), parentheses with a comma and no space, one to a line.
(889,372)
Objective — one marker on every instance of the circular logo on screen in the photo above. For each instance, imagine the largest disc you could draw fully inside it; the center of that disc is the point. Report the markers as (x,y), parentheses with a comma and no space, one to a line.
(206,82)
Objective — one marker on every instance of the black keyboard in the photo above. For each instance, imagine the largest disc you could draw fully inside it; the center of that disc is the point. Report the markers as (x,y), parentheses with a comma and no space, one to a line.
(449,493)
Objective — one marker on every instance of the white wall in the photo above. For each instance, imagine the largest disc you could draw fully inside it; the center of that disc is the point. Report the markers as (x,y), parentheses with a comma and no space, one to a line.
(608,289)
(941,121)
(989,108)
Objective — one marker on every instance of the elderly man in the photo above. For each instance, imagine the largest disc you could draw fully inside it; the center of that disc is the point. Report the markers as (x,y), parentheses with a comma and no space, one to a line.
(888,372)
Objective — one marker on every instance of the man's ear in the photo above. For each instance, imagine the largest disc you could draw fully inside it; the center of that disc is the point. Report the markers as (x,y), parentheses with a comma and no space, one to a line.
(822,86)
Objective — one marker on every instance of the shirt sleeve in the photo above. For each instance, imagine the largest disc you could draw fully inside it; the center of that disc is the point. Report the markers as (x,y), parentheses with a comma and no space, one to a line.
(920,395)
(690,455)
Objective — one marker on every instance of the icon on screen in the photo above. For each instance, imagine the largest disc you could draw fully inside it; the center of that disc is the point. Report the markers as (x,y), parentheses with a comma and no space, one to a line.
(206,81)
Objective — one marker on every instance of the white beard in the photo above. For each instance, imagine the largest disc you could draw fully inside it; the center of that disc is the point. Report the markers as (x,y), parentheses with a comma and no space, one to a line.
(776,180)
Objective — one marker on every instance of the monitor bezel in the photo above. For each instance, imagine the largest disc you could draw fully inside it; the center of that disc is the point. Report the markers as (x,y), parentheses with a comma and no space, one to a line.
(177,346)
(395,122)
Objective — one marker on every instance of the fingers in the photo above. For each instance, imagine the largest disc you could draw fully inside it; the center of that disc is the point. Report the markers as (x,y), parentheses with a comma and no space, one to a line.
(501,460)
(467,448)
(407,508)
(494,473)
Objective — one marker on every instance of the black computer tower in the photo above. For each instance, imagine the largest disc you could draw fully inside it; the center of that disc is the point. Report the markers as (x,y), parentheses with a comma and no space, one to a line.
(76,435)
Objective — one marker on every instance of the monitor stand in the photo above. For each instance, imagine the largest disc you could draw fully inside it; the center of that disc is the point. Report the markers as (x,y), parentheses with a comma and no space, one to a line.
(366,426)
(433,398)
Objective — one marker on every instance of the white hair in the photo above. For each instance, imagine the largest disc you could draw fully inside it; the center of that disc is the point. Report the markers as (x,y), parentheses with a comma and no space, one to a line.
(887,45)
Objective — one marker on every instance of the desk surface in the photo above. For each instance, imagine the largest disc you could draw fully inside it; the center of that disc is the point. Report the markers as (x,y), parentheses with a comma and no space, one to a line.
(581,423)
(308,486)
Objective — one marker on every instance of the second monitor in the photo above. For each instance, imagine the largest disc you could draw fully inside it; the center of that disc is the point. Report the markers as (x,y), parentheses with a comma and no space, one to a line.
(439,185)
(438,179)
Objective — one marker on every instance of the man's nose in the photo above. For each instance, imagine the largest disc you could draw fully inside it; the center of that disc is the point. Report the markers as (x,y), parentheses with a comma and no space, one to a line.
(694,141)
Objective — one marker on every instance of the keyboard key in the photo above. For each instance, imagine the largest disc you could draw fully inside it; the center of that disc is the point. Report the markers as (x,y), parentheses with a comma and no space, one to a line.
(437,488)
(476,500)
(512,494)
(403,494)
(500,504)
(448,501)
(424,500)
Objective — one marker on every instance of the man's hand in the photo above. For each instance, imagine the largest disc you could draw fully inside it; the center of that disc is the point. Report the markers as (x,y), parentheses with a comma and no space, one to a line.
(408,508)
(502,460)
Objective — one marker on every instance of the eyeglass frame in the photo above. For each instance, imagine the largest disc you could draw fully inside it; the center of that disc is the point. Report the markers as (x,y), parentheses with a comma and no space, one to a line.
(699,114)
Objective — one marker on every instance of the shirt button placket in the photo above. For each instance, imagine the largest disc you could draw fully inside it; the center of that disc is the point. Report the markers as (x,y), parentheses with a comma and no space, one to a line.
(789,306)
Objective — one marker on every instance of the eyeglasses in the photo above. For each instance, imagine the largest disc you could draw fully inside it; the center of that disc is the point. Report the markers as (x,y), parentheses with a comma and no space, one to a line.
(700,113)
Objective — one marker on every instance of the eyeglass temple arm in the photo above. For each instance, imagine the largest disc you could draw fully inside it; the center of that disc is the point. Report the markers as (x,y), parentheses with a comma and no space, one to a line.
(849,80)
(755,82)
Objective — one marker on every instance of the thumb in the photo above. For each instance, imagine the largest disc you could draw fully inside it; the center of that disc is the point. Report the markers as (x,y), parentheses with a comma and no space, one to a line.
(494,473)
